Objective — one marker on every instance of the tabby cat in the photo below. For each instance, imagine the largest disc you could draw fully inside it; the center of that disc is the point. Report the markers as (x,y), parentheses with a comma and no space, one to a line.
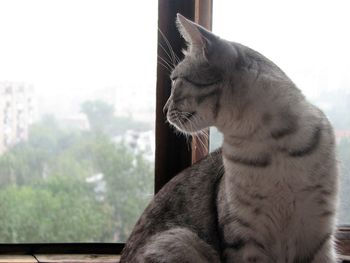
(269,195)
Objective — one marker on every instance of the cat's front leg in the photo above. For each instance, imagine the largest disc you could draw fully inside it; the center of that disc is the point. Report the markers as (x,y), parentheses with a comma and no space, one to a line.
(249,253)
(252,254)
(177,245)
(326,254)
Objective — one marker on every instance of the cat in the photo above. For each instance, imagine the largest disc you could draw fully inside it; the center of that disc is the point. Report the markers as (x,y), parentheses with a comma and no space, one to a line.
(269,195)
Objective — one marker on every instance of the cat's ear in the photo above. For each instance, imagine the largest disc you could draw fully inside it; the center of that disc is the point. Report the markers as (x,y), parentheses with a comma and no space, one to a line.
(195,35)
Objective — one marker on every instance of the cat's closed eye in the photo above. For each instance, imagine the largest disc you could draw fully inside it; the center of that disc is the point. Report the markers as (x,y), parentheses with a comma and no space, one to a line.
(194,82)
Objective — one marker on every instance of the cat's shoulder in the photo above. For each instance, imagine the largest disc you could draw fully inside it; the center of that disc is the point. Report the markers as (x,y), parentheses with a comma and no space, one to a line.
(188,200)
(190,186)
(207,170)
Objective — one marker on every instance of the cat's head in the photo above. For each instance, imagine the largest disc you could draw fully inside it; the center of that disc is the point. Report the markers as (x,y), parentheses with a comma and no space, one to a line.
(214,82)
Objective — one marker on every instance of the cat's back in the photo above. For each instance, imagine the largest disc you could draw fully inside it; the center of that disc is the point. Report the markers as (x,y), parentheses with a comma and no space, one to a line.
(188,201)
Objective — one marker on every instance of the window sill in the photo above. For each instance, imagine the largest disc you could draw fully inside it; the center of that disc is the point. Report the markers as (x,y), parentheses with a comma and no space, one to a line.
(63,258)
(345,259)
(66,258)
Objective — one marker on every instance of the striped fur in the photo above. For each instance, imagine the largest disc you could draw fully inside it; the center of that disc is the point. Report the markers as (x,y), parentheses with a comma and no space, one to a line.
(270,202)
(276,200)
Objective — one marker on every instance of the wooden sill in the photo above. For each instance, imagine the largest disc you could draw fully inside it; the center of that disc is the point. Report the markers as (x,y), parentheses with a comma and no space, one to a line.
(345,259)
(17,259)
(66,258)
(63,258)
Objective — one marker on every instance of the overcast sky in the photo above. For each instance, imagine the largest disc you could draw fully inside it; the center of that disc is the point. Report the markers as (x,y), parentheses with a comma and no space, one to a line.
(308,39)
(68,49)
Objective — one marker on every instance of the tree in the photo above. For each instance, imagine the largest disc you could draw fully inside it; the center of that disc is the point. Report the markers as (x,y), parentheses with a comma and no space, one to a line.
(129,181)
(59,209)
(102,119)
(99,114)
(47,193)
(25,162)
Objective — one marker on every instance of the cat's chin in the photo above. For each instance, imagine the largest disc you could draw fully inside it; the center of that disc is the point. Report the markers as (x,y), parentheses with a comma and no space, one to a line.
(184,130)
(189,131)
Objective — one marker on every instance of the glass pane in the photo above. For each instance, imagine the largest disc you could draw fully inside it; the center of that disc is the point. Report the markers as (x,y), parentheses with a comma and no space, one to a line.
(307,40)
(77,107)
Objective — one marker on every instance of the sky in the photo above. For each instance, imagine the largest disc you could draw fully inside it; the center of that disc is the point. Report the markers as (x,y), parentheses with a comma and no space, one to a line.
(68,49)
(72,50)
(309,40)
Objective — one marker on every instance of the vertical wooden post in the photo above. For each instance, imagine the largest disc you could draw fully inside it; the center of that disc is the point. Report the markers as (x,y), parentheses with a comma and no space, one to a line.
(173,152)
(203,17)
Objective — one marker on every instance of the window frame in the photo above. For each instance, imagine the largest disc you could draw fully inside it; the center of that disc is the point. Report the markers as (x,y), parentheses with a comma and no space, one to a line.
(173,153)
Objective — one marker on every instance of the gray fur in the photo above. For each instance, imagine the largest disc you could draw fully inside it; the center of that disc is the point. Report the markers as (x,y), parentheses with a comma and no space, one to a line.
(186,205)
(276,199)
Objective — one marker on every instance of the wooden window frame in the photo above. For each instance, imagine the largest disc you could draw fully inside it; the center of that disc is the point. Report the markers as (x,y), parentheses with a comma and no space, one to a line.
(173,152)
(343,241)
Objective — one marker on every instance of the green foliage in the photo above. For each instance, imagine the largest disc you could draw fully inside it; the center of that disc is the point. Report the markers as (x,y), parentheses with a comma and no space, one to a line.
(60,210)
(49,191)
(101,119)
(99,114)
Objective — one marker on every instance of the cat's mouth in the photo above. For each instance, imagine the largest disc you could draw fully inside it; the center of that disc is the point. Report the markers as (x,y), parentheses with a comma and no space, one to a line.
(188,116)
(180,118)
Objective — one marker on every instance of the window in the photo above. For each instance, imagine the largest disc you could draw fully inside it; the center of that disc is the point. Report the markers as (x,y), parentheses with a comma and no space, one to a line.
(172,153)
(77,110)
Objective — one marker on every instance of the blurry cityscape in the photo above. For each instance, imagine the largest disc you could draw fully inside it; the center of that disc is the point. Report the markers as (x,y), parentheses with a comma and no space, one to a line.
(17,113)
(92,157)
(19,110)
(77,105)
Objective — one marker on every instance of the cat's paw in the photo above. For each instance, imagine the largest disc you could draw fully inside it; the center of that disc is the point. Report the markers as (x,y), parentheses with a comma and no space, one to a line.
(252,254)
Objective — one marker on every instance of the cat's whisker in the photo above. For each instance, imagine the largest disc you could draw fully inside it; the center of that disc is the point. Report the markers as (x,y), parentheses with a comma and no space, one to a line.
(202,145)
(175,58)
(201,137)
(165,63)
(180,120)
(168,55)
(164,67)
(204,134)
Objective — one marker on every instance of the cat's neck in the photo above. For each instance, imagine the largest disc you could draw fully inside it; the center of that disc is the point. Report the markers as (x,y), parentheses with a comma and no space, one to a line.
(269,142)
(248,152)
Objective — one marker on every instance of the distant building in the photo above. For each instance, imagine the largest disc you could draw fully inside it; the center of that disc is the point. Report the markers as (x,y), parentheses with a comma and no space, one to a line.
(139,142)
(16,113)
